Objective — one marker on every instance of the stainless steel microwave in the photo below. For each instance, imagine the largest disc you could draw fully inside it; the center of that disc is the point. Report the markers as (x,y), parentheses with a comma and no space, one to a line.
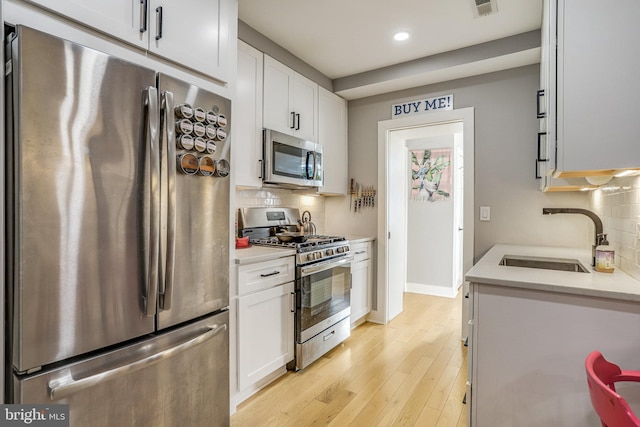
(291,162)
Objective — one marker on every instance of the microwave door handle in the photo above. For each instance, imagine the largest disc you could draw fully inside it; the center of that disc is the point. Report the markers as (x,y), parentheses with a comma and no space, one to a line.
(152,244)
(166,291)
(306,171)
(316,166)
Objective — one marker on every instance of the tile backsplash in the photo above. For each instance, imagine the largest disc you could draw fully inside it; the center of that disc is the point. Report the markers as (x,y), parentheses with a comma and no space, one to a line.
(618,205)
(271,197)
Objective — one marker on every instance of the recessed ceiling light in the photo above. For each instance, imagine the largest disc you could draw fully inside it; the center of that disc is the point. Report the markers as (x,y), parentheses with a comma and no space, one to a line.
(402,35)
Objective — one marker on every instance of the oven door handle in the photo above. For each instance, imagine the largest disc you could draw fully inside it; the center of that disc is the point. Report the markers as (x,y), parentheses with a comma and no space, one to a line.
(327,265)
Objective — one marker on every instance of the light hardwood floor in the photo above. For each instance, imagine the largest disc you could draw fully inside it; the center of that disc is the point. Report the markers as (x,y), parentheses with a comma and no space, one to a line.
(410,372)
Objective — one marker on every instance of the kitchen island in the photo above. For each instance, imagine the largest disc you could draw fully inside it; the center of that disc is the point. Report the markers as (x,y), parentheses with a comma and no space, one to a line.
(531,330)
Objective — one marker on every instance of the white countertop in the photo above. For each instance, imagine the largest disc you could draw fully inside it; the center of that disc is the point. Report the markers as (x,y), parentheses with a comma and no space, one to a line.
(261,253)
(359,239)
(616,285)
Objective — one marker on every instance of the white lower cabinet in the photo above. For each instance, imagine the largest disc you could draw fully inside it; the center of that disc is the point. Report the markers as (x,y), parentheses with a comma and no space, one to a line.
(265,326)
(361,281)
(527,349)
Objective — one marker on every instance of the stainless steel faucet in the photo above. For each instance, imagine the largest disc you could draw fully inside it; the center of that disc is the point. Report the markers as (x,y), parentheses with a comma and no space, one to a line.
(599,233)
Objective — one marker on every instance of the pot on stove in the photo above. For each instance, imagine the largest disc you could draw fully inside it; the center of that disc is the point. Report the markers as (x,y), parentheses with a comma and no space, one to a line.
(290,236)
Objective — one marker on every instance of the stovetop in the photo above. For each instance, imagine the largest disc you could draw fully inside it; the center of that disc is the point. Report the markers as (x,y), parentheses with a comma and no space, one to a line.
(312,242)
(316,248)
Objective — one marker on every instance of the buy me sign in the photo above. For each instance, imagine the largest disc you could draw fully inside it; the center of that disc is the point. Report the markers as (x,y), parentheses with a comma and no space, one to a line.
(411,108)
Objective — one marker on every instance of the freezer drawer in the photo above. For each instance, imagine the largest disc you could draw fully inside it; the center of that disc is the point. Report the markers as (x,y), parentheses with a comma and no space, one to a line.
(178,378)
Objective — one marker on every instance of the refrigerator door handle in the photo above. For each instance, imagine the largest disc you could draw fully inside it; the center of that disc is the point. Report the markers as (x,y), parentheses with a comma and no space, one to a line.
(166,289)
(151,288)
(66,385)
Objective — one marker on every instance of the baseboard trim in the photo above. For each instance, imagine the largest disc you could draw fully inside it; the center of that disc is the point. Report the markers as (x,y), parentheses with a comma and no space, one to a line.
(438,291)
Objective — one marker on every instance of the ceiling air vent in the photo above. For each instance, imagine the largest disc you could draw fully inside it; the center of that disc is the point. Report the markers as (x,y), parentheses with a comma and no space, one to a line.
(484,7)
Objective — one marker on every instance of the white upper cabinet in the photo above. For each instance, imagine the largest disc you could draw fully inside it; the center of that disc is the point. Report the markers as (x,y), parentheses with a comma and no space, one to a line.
(191,33)
(290,101)
(596,87)
(332,135)
(123,19)
(247,124)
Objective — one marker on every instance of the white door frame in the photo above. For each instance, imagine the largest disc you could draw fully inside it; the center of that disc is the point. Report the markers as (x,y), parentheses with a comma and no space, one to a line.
(382,312)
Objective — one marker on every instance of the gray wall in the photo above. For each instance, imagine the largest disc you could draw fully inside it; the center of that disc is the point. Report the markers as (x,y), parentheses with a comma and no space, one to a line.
(505,149)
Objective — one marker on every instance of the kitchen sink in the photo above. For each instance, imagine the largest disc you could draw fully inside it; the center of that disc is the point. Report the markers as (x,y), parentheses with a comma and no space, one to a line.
(559,264)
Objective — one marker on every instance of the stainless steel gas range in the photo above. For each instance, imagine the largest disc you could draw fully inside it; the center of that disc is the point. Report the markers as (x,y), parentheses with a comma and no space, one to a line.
(323,279)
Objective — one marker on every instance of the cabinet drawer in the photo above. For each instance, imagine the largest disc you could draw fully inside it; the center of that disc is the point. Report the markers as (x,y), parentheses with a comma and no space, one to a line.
(361,251)
(264,275)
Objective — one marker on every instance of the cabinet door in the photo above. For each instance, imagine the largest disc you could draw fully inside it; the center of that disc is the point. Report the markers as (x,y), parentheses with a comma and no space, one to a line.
(305,107)
(247,128)
(598,85)
(193,33)
(265,333)
(332,135)
(278,87)
(123,19)
(361,278)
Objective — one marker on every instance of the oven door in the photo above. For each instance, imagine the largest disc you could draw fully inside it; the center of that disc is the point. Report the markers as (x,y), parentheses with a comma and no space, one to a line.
(324,291)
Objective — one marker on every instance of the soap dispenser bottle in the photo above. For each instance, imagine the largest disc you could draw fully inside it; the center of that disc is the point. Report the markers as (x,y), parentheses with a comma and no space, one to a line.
(605,256)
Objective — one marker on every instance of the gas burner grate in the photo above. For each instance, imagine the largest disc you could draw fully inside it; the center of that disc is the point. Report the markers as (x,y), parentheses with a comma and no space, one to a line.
(311,243)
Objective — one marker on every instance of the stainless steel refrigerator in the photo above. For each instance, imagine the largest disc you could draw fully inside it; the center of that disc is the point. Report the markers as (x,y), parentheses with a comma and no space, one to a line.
(117,238)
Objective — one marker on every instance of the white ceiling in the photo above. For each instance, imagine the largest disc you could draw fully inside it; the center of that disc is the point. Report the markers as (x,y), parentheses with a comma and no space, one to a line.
(345,37)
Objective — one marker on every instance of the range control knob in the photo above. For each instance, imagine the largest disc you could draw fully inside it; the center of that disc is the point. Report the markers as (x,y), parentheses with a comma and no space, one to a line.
(222,168)
(311,256)
(329,252)
(340,249)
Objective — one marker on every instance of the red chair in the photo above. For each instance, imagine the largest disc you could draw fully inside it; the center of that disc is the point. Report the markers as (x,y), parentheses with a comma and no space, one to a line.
(602,375)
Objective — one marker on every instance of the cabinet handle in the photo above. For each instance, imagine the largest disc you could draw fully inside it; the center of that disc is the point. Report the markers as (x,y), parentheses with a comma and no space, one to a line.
(159,26)
(143,16)
(538,170)
(540,114)
(329,336)
(293,302)
(270,274)
(298,121)
(540,135)
(293,120)
(260,170)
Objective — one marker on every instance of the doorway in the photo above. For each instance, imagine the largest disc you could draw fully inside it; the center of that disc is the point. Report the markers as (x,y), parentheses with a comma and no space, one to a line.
(393,166)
